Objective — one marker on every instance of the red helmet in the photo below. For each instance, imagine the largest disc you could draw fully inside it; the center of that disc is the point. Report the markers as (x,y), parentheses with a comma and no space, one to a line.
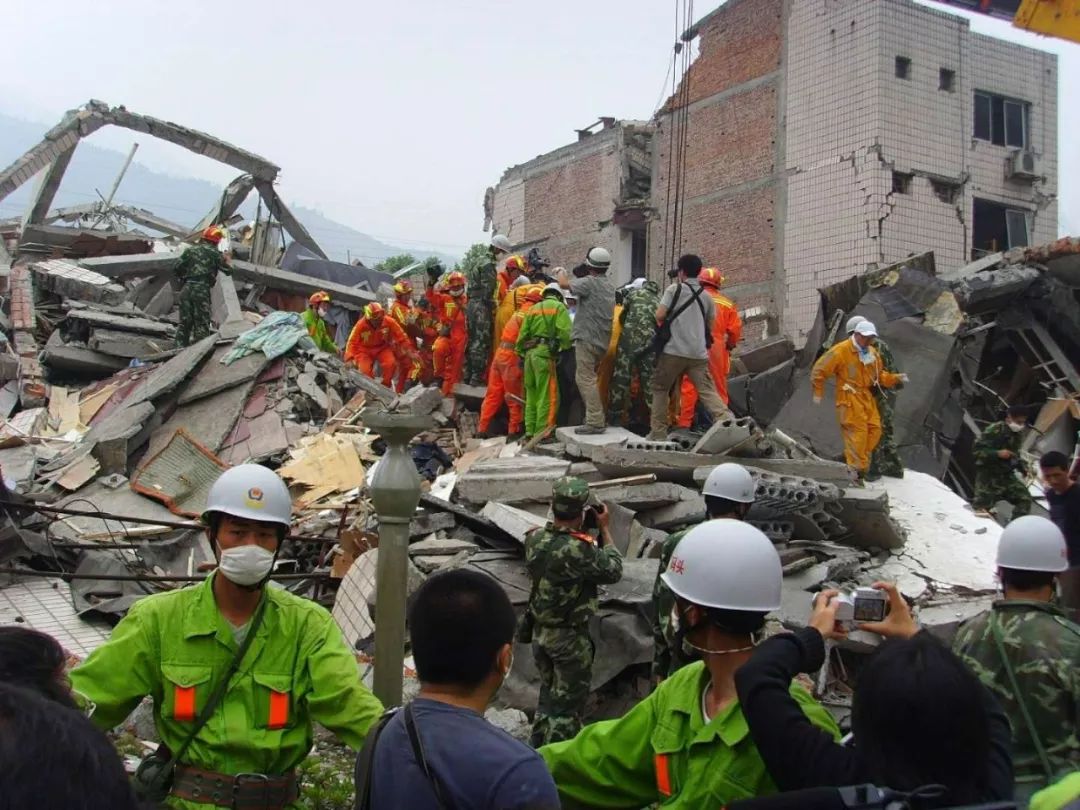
(515,264)
(403,287)
(319,297)
(214,234)
(710,277)
(455,280)
(374,311)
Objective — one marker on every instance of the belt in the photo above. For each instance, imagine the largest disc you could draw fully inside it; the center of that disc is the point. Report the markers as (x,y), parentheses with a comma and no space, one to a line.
(242,791)
(506,344)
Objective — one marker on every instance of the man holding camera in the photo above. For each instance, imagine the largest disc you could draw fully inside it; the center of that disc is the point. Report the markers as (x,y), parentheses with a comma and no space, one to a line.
(566,564)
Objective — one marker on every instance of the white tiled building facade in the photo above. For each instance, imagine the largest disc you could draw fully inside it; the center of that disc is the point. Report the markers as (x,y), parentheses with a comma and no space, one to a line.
(886,154)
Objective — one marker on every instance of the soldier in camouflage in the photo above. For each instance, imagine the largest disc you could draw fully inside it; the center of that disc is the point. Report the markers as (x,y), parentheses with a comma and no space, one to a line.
(997,457)
(1026,651)
(197,272)
(482,282)
(634,351)
(566,564)
(729,493)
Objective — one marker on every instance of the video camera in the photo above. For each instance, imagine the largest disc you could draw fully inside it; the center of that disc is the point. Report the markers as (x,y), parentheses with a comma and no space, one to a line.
(860,605)
(861,797)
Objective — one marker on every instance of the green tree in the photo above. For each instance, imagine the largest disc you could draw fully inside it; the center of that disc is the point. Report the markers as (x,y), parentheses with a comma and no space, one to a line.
(394,263)
(475,258)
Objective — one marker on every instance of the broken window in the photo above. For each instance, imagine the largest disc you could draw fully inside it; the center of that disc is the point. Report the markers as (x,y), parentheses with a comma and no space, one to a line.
(945,191)
(901,183)
(1002,121)
(637,255)
(903,67)
(947,80)
(998,227)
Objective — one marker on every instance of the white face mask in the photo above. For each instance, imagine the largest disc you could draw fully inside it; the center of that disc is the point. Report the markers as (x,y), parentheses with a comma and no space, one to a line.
(323,311)
(457,293)
(246,565)
(1015,427)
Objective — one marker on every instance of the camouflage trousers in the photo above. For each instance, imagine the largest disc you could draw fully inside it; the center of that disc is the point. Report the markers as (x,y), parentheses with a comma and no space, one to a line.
(564,656)
(480,317)
(995,484)
(622,377)
(885,459)
(194,313)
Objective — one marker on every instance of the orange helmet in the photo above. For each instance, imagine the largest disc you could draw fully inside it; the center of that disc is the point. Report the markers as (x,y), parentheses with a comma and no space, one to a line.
(403,287)
(455,280)
(215,233)
(374,311)
(710,277)
(533,293)
(515,264)
(320,297)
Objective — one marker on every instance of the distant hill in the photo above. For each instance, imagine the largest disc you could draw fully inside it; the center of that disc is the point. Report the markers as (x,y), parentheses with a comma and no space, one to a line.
(182,200)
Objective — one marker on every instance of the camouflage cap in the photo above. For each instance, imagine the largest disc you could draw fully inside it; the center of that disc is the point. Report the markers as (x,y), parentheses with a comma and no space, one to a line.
(570,491)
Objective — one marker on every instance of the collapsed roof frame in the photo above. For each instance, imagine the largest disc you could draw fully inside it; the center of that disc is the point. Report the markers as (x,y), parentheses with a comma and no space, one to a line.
(54,152)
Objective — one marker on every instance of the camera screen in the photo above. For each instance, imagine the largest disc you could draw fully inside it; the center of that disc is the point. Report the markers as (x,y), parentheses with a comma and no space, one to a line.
(869,610)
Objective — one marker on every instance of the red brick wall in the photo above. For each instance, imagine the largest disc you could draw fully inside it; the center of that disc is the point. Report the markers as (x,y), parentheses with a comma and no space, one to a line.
(565,204)
(740,43)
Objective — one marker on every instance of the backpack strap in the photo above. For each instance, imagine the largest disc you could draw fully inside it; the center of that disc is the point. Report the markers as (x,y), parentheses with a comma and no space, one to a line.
(421,759)
(365,761)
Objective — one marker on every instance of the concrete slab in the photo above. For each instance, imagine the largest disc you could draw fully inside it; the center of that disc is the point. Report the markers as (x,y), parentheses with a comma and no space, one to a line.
(440,547)
(769,390)
(166,377)
(123,323)
(635,588)
(224,303)
(127,344)
(214,376)
(266,437)
(142,264)
(426,523)
(683,513)
(725,434)
(866,514)
(646,496)
(161,302)
(211,418)
(516,522)
(625,530)
(768,354)
(582,446)
(82,361)
(511,480)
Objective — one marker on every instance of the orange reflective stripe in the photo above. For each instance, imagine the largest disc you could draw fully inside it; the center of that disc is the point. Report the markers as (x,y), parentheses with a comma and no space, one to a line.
(663,778)
(183,703)
(279,710)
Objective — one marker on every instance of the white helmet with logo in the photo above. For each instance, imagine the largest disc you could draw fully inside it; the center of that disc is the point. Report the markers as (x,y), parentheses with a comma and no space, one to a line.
(1032,543)
(500,242)
(554,287)
(251,492)
(599,258)
(726,564)
(730,481)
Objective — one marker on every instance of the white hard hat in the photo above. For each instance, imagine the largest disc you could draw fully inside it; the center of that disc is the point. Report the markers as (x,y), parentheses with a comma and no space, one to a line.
(726,564)
(865,328)
(1032,543)
(554,285)
(250,491)
(500,242)
(730,481)
(854,321)
(599,258)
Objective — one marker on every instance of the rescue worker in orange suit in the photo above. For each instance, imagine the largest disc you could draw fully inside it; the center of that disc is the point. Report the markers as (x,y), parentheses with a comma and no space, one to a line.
(408,317)
(858,370)
(726,333)
(377,339)
(506,378)
(449,350)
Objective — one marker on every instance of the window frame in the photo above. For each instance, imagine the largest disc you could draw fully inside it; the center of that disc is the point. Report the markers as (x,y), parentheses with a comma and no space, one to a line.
(991,123)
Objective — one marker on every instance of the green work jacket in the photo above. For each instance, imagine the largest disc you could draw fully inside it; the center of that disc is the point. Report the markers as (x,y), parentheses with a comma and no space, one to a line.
(176,646)
(663,752)
(316,327)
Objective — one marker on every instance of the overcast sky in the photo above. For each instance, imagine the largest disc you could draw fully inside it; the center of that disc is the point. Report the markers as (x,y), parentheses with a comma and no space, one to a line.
(391,117)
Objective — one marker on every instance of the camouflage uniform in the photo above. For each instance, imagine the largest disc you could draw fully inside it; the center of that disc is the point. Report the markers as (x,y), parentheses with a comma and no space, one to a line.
(565,567)
(1043,648)
(994,478)
(885,459)
(197,271)
(634,350)
(480,317)
(666,656)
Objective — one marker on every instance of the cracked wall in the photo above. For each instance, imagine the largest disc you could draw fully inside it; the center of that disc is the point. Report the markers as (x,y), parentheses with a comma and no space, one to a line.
(851,122)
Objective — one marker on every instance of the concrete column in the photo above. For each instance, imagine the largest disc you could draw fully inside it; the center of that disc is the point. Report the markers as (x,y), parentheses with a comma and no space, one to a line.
(48,184)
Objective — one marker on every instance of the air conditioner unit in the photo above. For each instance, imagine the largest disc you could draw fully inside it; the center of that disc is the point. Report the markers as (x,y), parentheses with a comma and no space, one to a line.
(1023,165)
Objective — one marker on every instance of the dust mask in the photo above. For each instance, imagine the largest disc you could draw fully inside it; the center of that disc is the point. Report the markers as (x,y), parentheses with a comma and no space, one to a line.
(246,565)
(1015,427)
(323,311)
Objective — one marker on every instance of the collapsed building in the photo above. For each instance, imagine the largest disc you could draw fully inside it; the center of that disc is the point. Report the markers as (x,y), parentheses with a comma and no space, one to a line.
(112,435)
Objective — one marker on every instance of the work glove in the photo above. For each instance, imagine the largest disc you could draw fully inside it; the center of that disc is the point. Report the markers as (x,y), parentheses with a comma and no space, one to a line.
(817,399)
(904,378)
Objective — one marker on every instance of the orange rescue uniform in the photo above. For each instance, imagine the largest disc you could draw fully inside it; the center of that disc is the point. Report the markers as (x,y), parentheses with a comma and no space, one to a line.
(409,365)
(726,332)
(449,350)
(371,343)
(505,378)
(856,410)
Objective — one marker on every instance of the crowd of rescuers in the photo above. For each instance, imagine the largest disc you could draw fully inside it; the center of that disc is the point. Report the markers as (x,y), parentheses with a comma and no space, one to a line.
(238,671)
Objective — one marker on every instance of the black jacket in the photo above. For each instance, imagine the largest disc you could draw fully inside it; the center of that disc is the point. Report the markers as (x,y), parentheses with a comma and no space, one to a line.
(797,753)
